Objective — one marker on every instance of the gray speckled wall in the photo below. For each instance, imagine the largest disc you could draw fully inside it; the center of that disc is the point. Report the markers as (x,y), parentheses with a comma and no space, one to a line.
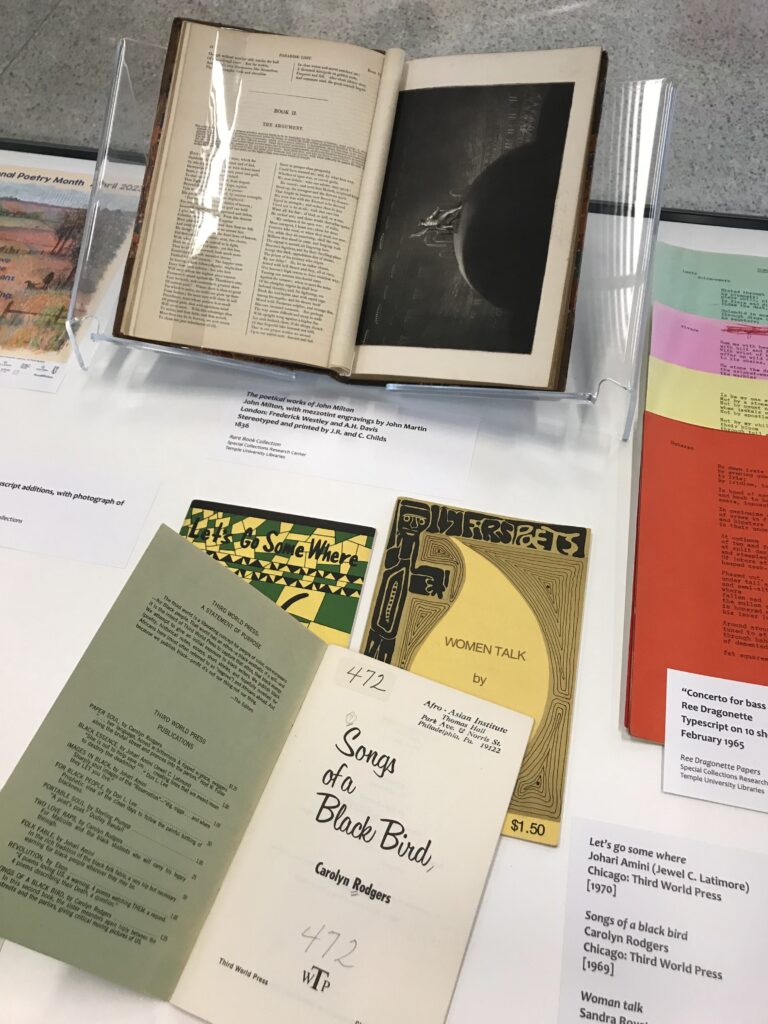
(56,62)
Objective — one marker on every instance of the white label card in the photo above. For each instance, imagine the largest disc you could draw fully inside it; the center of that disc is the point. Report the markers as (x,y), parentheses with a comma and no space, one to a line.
(661,930)
(31,374)
(63,511)
(716,740)
(345,433)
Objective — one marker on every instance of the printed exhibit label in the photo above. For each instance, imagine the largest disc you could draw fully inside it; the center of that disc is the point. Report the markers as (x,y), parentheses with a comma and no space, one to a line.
(346,433)
(65,511)
(661,929)
(716,745)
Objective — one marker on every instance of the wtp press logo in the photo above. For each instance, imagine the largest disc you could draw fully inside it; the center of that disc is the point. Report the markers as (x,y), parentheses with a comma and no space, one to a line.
(317,979)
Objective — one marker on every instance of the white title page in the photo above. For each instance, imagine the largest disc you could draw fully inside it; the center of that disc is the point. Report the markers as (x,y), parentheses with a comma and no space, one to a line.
(354,890)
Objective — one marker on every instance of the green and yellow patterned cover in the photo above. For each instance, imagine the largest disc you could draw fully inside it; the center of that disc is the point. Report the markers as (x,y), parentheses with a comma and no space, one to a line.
(311,568)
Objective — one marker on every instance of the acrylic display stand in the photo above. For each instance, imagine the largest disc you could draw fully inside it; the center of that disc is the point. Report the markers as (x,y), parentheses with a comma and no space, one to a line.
(613,298)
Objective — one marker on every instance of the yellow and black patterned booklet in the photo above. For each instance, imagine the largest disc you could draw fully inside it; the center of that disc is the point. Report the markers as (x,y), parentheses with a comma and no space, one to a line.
(311,568)
(491,606)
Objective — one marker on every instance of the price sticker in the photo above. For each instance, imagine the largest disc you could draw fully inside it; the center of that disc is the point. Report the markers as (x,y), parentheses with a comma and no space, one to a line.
(535,830)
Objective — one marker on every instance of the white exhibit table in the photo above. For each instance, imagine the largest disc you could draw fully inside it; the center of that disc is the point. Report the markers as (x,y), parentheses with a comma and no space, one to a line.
(140,415)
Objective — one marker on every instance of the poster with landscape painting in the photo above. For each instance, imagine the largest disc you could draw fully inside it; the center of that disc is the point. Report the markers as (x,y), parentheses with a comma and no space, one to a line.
(43,211)
(42,217)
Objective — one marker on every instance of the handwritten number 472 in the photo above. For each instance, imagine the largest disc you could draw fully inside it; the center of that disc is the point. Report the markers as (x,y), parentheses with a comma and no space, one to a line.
(313,938)
(373,679)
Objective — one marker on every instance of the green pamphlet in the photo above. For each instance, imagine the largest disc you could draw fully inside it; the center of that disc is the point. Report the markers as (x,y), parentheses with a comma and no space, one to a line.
(119,823)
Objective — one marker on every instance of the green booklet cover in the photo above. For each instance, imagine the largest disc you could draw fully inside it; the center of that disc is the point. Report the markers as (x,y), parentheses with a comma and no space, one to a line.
(312,568)
(118,824)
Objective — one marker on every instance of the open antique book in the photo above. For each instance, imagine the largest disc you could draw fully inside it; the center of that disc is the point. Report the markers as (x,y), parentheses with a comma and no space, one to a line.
(335,207)
(222,811)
